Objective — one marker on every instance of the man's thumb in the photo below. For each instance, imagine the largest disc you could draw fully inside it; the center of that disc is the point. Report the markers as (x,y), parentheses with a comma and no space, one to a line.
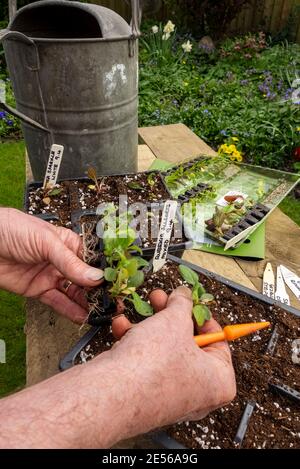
(73,268)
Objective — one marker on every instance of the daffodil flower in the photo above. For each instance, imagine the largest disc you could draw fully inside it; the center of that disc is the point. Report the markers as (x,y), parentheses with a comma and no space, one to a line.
(155,29)
(169,27)
(166,36)
(187,46)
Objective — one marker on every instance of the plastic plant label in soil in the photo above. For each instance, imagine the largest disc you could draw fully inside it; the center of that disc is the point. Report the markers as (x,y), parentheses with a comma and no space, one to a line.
(275,419)
(53,165)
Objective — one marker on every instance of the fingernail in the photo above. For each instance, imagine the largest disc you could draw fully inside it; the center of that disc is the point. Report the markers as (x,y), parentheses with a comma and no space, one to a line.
(95,274)
(184,291)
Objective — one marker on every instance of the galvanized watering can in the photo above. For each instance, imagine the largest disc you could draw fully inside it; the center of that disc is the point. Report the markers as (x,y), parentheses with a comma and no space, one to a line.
(74,72)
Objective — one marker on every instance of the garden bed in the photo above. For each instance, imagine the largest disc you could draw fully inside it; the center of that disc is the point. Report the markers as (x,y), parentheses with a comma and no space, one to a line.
(275,422)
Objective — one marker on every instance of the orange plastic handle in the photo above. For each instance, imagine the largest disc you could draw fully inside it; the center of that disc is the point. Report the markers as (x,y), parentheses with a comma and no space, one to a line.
(230,333)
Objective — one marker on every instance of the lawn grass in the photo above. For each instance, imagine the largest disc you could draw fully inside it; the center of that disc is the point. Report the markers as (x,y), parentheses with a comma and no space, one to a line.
(291,207)
(12,317)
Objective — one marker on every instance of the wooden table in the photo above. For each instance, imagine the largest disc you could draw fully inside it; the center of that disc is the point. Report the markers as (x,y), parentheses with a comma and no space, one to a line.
(50,336)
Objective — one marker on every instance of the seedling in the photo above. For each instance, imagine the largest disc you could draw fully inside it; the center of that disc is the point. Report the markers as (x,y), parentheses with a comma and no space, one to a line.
(123,271)
(51,192)
(135,185)
(151,179)
(201,299)
(226,217)
(92,174)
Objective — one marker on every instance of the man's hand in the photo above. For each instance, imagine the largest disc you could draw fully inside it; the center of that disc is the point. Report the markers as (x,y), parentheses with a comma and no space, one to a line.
(154,376)
(36,258)
(177,378)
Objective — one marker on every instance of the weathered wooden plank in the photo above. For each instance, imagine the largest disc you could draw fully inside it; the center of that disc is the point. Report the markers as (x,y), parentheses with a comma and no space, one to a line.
(222,265)
(174,142)
(145,157)
(49,337)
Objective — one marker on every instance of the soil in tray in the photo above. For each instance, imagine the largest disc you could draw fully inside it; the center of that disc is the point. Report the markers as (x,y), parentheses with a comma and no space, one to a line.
(39,202)
(80,195)
(135,187)
(275,423)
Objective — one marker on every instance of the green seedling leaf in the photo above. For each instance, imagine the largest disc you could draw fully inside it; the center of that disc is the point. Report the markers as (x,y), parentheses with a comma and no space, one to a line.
(135,185)
(188,275)
(136,280)
(201,314)
(206,298)
(195,294)
(132,266)
(141,262)
(151,179)
(142,307)
(201,290)
(110,274)
(54,192)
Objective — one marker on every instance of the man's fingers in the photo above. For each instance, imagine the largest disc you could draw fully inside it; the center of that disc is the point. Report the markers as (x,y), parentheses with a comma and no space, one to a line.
(63,305)
(120,325)
(180,301)
(158,299)
(74,292)
(69,264)
(209,326)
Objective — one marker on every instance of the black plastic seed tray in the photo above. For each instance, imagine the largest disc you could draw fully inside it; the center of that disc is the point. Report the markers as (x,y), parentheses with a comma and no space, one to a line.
(147,252)
(74,198)
(161,437)
(255,215)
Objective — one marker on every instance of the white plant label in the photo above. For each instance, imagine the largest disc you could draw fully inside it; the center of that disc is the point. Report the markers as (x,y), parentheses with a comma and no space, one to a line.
(240,198)
(53,165)
(269,281)
(281,294)
(292,280)
(164,235)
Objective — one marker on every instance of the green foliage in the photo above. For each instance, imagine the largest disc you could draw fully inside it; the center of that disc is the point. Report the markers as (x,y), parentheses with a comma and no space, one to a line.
(200,298)
(135,185)
(123,271)
(220,97)
(142,307)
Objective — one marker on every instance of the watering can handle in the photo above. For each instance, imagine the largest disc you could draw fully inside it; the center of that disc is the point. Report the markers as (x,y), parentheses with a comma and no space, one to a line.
(135,22)
(21,37)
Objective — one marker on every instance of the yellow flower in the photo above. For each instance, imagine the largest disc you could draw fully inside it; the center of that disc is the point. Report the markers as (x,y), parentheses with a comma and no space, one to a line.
(298,129)
(232,148)
(186,83)
(235,139)
(169,27)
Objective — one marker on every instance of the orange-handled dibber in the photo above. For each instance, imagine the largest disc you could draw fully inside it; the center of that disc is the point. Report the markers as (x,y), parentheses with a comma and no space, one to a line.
(230,333)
